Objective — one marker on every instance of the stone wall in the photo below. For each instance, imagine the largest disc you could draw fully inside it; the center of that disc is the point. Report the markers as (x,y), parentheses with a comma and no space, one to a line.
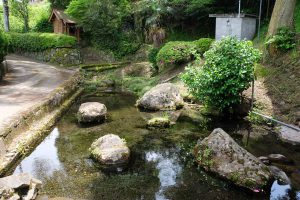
(60,56)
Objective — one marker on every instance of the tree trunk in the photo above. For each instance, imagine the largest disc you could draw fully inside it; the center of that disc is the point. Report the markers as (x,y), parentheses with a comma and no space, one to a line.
(268,7)
(5,15)
(26,23)
(282,16)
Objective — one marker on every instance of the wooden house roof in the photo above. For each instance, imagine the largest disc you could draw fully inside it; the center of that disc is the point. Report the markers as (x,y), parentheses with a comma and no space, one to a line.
(61,15)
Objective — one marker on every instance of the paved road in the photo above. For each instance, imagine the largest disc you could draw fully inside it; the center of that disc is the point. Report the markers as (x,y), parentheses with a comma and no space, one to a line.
(26,84)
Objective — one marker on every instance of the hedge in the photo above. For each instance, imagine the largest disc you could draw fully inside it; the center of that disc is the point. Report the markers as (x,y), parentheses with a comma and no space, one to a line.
(3,45)
(35,42)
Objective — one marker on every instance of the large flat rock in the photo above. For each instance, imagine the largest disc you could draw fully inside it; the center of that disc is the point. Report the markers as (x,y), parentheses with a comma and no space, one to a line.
(220,154)
(289,135)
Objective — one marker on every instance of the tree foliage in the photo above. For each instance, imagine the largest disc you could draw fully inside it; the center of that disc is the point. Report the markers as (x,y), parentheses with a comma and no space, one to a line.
(106,23)
(191,7)
(61,4)
(226,73)
(101,17)
(20,9)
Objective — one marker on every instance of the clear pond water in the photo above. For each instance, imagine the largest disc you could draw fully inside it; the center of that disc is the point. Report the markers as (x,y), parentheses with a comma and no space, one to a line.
(159,168)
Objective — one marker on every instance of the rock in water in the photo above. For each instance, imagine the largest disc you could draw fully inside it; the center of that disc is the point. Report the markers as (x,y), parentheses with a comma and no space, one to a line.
(280,175)
(110,150)
(164,96)
(264,160)
(220,154)
(91,112)
(21,184)
(278,158)
(159,122)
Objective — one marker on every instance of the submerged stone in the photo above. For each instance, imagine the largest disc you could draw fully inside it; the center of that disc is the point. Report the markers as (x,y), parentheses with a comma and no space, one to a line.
(159,122)
(110,150)
(220,154)
(191,114)
(91,112)
(164,96)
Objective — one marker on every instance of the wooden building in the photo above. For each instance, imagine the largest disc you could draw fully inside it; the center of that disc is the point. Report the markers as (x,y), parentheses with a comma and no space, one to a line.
(64,24)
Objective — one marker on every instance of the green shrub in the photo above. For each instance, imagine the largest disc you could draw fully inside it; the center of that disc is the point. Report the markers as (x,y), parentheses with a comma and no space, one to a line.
(3,45)
(297,17)
(43,25)
(226,73)
(34,42)
(109,32)
(127,44)
(284,39)
(203,45)
(175,53)
(152,56)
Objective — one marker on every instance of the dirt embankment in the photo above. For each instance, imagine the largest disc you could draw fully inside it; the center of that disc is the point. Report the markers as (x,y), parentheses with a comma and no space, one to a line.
(281,78)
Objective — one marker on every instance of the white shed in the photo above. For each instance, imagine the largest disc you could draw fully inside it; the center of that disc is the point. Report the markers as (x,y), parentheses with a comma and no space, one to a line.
(240,25)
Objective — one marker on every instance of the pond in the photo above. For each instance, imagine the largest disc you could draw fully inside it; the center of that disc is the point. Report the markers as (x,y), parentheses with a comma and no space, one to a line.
(160,166)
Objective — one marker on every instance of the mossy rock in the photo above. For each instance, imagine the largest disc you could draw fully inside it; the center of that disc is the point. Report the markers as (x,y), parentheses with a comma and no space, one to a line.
(220,154)
(159,122)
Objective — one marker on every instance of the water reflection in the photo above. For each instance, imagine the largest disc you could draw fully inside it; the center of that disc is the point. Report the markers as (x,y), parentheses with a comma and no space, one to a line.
(44,159)
(169,169)
(280,191)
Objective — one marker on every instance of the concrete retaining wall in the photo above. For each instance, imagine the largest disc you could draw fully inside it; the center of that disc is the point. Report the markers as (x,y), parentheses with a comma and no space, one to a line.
(21,137)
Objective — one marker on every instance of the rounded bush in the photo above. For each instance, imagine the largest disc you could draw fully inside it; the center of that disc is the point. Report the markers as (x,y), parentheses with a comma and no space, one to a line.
(202,45)
(226,73)
(175,53)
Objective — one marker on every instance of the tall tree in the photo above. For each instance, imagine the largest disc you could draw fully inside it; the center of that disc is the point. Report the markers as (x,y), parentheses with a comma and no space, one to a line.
(60,4)
(5,15)
(282,16)
(20,9)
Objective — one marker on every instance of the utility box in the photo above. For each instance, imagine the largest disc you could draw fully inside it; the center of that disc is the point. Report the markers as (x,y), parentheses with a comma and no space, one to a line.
(241,26)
